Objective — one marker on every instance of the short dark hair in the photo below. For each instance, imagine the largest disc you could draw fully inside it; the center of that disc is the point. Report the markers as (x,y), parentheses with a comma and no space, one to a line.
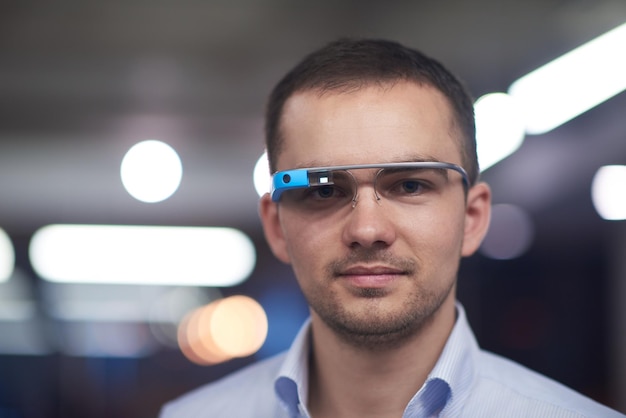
(349,64)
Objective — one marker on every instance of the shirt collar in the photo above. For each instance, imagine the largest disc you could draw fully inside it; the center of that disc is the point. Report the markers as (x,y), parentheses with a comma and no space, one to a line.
(292,383)
(449,383)
(445,389)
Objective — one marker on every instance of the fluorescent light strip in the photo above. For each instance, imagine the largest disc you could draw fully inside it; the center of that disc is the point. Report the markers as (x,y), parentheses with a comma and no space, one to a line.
(499,128)
(155,255)
(573,83)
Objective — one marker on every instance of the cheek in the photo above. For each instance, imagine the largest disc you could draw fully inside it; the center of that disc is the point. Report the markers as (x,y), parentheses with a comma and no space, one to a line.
(434,234)
(308,241)
(309,246)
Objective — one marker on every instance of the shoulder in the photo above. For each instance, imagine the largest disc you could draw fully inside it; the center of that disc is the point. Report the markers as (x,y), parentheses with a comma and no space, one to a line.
(246,392)
(504,384)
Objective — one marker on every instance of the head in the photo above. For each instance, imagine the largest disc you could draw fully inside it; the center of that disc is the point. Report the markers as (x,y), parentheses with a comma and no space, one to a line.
(378,271)
(347,65)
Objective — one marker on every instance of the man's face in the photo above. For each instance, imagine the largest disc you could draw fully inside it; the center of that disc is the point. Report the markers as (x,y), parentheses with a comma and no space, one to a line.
(377,271)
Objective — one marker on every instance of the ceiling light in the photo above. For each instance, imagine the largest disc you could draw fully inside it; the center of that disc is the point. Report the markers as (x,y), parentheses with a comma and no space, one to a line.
(499,128)
(573,83)
(262,178)
(7,256)
(151,171)
(155,255)
(607,192)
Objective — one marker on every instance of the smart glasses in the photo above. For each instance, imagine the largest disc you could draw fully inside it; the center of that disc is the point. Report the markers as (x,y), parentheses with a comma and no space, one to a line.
(331,187)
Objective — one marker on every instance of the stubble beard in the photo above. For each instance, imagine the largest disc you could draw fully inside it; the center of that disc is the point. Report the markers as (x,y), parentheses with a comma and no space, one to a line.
(370,328)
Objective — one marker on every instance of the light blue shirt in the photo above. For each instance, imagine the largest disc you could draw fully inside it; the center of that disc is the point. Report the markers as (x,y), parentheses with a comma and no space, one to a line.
(465,382)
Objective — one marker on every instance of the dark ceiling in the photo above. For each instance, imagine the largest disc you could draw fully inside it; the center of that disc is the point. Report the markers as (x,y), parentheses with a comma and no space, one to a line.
(80,82)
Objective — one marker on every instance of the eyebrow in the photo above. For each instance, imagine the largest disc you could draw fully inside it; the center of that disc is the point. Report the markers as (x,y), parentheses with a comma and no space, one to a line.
(442,172)
(415,158)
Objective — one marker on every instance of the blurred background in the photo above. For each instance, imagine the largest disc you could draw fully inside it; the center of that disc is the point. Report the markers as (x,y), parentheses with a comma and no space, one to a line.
(84,332)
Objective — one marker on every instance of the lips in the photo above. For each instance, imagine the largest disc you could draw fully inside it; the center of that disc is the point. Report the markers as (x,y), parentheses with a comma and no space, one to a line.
(370,270)
(371,276)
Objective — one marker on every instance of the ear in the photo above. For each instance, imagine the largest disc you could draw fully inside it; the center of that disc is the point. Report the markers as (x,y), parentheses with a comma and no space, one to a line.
(270,219)
(477,215)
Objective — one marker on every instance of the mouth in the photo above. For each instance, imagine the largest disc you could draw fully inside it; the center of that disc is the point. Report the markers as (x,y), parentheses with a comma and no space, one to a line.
(363,276)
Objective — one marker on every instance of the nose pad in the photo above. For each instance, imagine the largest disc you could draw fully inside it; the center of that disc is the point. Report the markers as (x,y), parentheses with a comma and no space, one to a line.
(356,188)
(356,195)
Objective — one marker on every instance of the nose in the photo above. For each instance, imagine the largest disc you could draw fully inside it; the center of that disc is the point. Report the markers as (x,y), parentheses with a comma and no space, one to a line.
(369,223)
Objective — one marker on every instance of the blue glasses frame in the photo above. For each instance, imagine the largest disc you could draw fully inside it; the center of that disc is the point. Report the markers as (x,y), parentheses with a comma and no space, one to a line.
(301,178)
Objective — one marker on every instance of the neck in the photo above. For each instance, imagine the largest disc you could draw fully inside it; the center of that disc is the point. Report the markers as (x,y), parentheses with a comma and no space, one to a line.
(350,381)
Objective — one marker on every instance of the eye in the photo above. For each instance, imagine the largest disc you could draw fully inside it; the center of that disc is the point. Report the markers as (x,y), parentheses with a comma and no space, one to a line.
(324,192)
(406,183)
(411,186)
(407,187)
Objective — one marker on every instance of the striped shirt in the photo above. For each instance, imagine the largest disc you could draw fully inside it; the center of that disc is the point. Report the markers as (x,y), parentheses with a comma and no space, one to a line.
(465,382)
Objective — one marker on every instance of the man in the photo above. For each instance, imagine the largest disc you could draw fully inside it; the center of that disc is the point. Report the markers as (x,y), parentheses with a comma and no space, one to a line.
(375,199)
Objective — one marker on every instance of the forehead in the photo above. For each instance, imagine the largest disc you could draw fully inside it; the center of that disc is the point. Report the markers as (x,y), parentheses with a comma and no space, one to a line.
(374,124)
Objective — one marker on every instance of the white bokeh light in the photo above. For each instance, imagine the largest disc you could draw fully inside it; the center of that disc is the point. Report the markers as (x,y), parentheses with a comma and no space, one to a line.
(608,192)
(262,178)
(7,256)
(499,128)
(151,171)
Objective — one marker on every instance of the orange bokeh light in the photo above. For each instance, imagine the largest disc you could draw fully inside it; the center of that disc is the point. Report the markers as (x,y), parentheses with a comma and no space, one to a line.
(232,327)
